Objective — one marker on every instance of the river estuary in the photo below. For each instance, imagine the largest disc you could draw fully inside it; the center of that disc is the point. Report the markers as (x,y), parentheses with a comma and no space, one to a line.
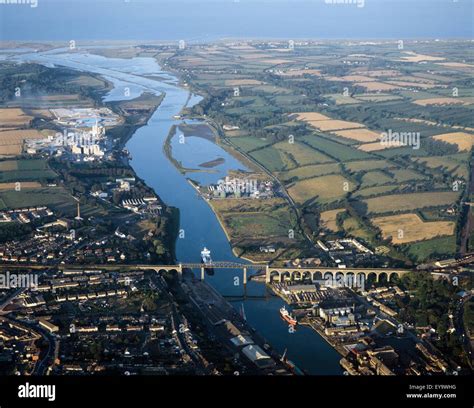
(198,224)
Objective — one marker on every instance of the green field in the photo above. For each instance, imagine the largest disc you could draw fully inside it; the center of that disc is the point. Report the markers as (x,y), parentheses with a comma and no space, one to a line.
(340,99)
(367,165)
(354,227)
(310,171)
(297,154)
(23,165)
(259,225)
(270,158)
(375,178)
(404,175)
(375,191)
(248,143)
(25,170)
(336,150)
(56,198)
(433,249)
(51,196)
(454,164)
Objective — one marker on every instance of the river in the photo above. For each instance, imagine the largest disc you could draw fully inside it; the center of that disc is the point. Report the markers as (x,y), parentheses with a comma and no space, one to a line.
(199,226)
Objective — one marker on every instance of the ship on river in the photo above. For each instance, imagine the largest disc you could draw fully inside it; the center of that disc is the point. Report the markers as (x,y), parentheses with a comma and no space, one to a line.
(207,261)
(286,315)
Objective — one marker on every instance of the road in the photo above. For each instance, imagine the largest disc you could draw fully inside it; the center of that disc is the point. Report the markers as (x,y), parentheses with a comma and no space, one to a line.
(179,328)
(469,222)
(461,330)
(10,299)
(41,365)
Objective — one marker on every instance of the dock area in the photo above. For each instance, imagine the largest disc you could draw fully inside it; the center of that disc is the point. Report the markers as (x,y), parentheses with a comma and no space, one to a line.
(251,352)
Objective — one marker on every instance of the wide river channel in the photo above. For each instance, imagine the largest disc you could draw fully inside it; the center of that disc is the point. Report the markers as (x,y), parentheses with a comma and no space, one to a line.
(198,223)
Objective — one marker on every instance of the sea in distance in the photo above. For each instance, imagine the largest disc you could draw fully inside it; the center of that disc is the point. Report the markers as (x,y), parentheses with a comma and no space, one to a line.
(208,20)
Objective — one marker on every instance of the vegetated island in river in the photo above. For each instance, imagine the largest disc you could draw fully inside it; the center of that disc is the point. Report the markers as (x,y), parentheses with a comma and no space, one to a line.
(213,163)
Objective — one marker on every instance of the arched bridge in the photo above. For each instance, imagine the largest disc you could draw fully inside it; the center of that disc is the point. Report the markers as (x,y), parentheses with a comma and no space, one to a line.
(323,273)
(274,274)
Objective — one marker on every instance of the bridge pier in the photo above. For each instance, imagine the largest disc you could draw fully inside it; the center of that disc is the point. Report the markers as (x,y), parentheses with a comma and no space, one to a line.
(245,277)
(203,273)
(267,275)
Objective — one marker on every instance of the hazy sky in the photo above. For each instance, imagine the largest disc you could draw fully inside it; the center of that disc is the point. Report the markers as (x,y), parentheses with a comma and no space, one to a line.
(213,19)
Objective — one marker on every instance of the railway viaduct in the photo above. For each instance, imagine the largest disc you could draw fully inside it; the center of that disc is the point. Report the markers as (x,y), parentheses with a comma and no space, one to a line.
(272,274)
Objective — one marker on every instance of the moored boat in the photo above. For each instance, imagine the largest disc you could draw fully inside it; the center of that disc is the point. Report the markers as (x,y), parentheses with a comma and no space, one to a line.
(286,315)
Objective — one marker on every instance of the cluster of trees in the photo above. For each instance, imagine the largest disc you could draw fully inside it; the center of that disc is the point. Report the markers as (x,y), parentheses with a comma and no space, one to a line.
(13,78)
(256,122)
(311,220)
(150,301)
(33,79)
(313,88)
(96,350)
(430,304)
(92,177)
(469,315)
(164,236)
(438,147)
(212,101)
(430,301)
(13,231)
